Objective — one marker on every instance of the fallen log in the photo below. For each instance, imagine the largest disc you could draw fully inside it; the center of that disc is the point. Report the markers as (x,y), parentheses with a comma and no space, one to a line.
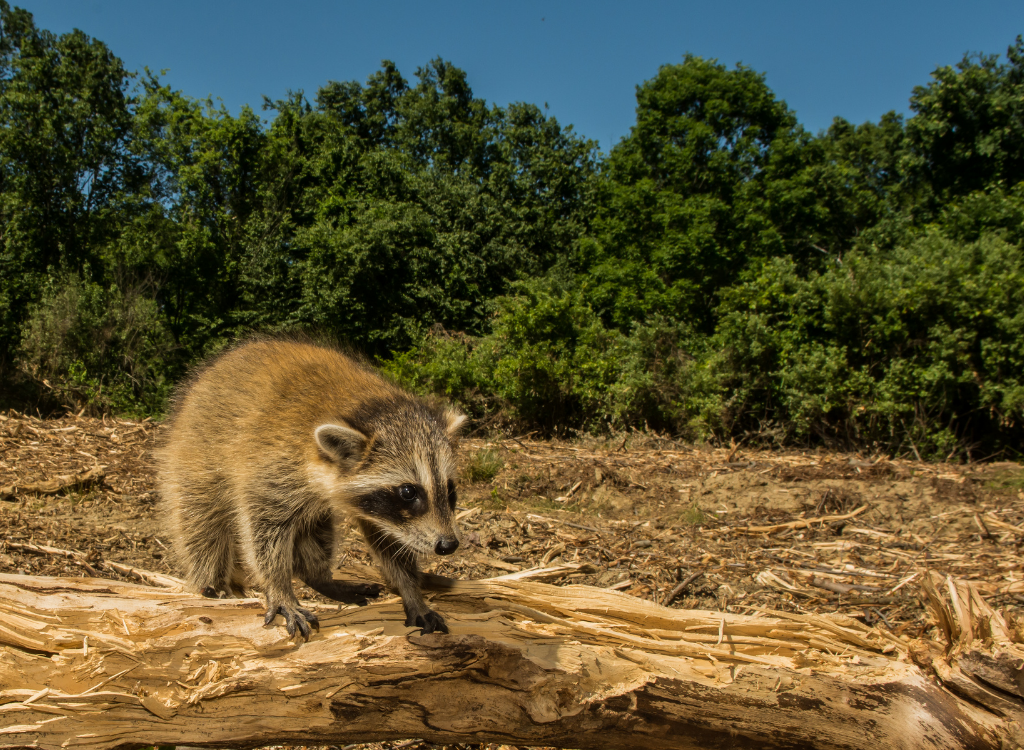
(102,664)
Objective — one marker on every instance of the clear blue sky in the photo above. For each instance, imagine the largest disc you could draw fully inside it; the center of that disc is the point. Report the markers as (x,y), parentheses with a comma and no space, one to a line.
(584,59)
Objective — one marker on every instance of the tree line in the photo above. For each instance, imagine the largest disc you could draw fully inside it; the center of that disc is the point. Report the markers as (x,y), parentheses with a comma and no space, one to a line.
(721,274)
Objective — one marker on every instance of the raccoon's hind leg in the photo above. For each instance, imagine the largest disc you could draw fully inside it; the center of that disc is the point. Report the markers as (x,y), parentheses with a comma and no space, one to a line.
(402,573)
(206,548)
(313,550)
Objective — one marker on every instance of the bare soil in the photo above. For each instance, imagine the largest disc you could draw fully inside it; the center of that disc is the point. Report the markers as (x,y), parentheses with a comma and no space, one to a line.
(686,526)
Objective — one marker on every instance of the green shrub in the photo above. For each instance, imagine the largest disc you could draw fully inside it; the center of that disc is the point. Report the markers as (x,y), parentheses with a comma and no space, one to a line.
(443,363)
(106,348)
(549,362)
(693,516)
(921,348)
(483,465)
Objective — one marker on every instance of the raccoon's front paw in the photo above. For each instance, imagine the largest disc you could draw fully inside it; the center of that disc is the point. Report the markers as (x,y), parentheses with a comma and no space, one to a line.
(295,618)
(429,621)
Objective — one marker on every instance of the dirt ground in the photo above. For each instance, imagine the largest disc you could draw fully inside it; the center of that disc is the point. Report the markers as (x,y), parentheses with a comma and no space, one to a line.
(686,526)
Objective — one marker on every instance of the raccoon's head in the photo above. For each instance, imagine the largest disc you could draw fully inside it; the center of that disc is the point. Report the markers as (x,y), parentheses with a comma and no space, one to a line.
(396,463)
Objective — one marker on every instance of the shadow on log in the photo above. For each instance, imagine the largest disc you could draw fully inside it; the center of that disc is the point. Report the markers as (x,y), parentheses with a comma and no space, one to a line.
(101,664)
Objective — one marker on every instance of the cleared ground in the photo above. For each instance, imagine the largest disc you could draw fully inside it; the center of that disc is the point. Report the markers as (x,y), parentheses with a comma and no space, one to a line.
(689,527)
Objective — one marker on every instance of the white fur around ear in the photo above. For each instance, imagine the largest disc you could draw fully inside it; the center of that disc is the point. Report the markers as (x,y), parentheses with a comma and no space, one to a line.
(455,421)
(341,444)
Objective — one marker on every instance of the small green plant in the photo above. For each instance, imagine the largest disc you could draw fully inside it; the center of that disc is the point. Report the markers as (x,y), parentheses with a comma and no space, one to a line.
(693,516)
(102,346)
(483,465)
(542,503)
(1006,479)
(494,501)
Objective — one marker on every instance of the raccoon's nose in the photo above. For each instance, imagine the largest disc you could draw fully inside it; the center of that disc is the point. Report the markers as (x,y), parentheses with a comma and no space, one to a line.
(446,545)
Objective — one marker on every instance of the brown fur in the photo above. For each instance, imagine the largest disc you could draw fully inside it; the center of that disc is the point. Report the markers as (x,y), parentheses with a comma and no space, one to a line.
(270,441)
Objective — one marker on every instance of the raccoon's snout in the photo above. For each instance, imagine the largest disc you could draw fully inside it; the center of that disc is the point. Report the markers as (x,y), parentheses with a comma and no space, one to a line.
(446,545)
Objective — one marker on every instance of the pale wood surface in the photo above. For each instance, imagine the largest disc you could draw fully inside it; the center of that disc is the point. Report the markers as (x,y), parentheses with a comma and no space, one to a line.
(97,663)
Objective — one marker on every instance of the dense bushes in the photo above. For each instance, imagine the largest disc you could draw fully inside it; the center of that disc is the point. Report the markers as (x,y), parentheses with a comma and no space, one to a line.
(921,347)
(742,278)
(548,361)
(95,346)
(721,274)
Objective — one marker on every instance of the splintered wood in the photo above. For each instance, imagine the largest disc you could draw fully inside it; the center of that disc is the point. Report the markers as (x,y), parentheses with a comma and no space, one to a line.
(101,663)
(980,658)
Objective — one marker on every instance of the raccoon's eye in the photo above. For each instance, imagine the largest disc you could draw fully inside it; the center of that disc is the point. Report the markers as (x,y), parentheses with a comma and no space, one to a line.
(452,497)
(407,492)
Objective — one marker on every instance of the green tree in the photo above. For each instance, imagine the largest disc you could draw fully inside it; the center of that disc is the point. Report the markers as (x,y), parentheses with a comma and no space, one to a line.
(208,168)
(675,221)
(68,173)
(386,209)
(967,132)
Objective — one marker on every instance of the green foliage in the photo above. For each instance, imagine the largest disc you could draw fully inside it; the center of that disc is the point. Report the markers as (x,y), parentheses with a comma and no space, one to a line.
(722,272)
(667,232)
(922,347)
(67,175)
(716,175)
(384,209)
(967,132)
(548,361)
(371,215)
(693,516)
(1006,480)
(205,171)
(100,347)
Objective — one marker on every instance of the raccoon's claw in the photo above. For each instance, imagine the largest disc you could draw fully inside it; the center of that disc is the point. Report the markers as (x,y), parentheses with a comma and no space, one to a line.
(311,619)
(295,618)
(430,622)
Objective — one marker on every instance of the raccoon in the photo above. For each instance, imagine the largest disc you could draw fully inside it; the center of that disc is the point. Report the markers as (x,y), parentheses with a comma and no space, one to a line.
(268,444)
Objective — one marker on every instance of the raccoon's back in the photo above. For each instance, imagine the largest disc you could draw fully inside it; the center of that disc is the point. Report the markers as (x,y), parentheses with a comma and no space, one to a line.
(262,401)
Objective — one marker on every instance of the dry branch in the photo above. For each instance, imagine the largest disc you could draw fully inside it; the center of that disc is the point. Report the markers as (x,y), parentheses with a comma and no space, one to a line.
(800,523)
(87,662)
(681,587)
(55,485)
(79,558)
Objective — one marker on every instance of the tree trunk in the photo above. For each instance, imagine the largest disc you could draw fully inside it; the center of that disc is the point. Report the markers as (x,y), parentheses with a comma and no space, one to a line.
(97,663)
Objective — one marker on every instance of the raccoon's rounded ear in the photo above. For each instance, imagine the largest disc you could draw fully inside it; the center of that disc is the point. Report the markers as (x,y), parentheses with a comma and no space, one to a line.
(341,444)
(455,422)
